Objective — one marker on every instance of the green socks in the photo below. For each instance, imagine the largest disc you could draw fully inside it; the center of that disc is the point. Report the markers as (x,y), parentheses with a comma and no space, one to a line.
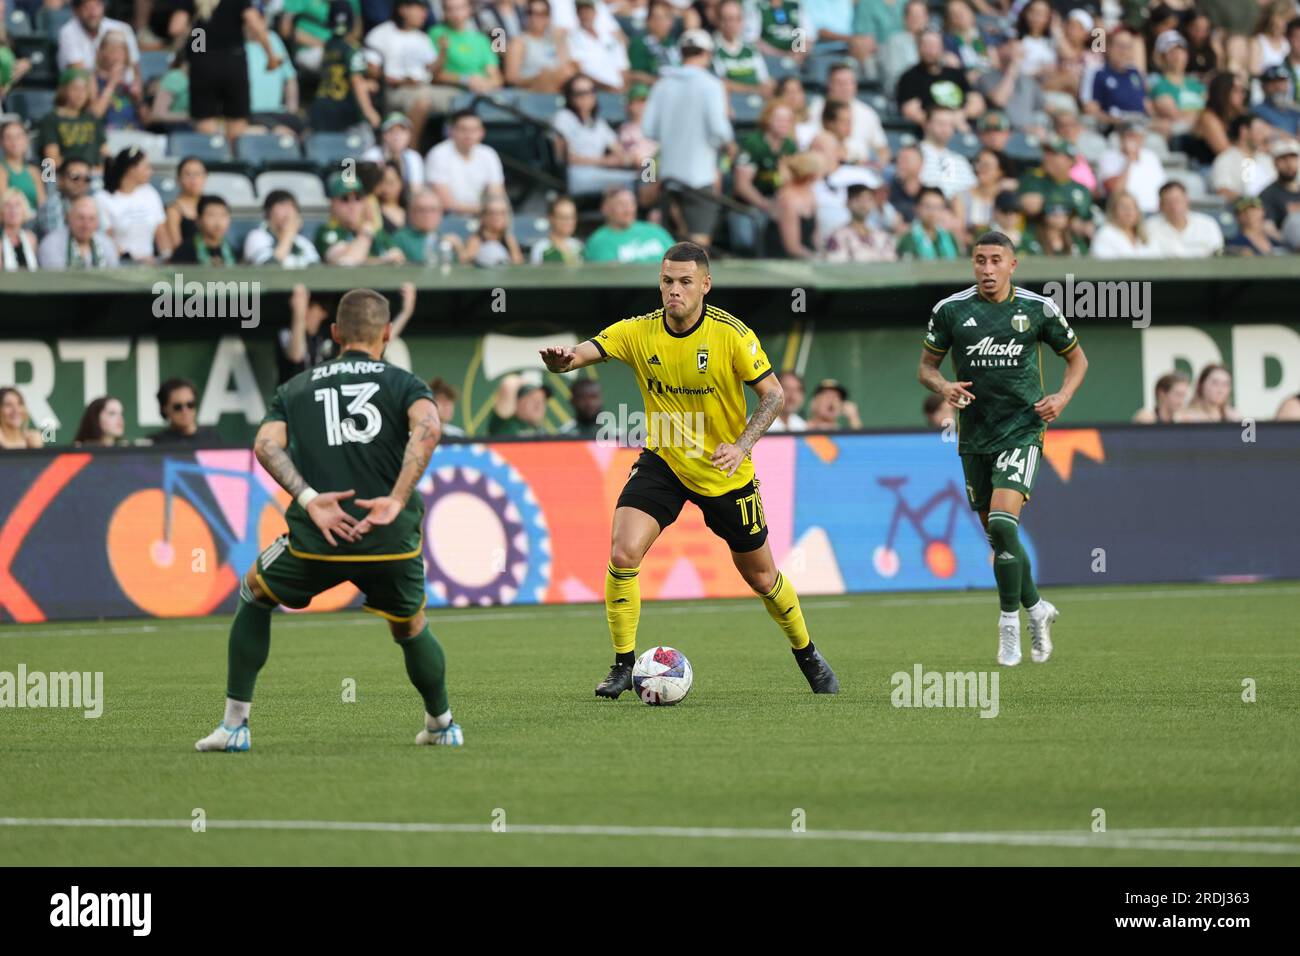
(250,645)
(426,666)
(1009,567)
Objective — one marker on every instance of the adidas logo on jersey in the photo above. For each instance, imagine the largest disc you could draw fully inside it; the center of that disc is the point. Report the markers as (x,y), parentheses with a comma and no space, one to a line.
(969,323)
(654,360)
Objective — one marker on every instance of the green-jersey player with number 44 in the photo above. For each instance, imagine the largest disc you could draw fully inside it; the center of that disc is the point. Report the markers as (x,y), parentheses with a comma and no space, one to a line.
(995,332)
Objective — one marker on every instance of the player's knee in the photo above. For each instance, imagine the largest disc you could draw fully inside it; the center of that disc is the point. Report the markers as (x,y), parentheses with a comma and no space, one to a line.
(623,555)
(1003,533)
(761,581)
(255,589)
(401,630)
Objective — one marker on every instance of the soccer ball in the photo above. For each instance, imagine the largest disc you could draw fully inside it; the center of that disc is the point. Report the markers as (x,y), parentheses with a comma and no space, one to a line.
(662,675)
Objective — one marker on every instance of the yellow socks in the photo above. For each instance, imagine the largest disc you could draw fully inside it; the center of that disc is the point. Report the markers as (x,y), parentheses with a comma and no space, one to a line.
(783,606)
(623,607)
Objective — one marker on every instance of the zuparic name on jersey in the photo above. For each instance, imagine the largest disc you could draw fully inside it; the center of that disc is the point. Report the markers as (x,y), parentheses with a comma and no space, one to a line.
(347,368)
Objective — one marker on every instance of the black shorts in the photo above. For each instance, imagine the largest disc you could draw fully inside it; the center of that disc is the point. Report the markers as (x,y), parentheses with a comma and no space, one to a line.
(219,85)
(736,517)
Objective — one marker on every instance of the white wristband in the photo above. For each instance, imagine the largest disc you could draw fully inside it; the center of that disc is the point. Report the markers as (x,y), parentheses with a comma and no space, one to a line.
(305,497)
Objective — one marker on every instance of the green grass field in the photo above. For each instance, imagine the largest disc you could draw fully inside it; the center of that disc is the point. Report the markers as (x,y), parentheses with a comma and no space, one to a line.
(1139,713)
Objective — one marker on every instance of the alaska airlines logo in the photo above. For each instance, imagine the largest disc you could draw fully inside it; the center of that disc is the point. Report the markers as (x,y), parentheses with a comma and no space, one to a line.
(988,346)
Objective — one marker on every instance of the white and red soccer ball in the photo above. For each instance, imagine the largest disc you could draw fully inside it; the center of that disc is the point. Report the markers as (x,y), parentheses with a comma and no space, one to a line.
(662,676)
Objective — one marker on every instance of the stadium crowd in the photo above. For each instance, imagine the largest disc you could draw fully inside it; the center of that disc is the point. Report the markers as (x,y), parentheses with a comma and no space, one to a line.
(491,132)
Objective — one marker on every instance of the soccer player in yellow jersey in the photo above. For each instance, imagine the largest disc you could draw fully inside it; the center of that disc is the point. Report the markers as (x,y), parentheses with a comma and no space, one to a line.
(692,361)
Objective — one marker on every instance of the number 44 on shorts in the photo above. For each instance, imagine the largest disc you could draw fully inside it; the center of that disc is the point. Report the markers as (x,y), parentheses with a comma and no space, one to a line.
(1012,462)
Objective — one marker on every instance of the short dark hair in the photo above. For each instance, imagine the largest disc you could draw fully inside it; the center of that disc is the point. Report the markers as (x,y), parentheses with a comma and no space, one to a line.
(839,67)
(361,316)
(72,161)
(462,114)
(277,196)
(856,190)
(832,110)
(166,389)
(1238,123)
(931,191)
(1172,184)
(687,252)
(210,200)
(1292,26)
(562,197)
(995,238)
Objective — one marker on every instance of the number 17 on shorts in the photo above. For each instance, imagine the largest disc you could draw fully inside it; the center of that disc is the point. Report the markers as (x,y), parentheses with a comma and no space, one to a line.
(1014,468)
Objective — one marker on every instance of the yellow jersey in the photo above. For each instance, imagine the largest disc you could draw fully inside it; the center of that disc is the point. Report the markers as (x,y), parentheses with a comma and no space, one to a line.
(693,384)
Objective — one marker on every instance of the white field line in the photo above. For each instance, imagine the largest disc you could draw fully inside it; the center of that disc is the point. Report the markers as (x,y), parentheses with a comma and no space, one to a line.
(502,614)
(1114,840)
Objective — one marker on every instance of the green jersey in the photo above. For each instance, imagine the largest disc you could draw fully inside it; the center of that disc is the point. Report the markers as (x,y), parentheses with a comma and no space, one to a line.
(348,429)
(779,24)
(335,107)
(331,232)
(996,346)
(744,64)
(1068,193)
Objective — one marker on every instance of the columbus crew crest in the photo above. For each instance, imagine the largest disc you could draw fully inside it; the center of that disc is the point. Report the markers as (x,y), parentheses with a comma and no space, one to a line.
(702,360)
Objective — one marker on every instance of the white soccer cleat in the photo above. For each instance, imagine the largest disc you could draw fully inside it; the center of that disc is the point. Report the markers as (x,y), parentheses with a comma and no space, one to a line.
(1009,644)
(449,736)
(226,740)
(1040,631)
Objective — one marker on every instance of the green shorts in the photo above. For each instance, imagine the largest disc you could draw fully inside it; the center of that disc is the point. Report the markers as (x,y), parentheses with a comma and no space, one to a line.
(1015,467)
(393,589)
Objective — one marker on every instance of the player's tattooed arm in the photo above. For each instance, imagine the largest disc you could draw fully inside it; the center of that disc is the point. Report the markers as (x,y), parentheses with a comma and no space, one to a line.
(771,399)
(269,447)
(426,430)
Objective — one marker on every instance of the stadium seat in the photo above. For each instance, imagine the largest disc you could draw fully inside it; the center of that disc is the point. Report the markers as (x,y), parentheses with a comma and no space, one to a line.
(207,147)
(965,144)
(234,188)
(1024,148)
(31,105)
(1192,181)
(50,20)
(544,106)
(166,185)
(153,64)
(529,230)
(461,226)
(311,225)
(327,150)
(897,139)
(307,189)
(483,105)
(781,66)
(240,227)
(18,24)
(269,151)
(612,108)
(42,52)
(153,144)
(746,108)
(878,102)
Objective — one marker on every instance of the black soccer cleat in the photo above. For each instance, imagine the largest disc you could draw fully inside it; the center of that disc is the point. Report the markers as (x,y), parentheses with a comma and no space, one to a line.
(821,678)
(619,680)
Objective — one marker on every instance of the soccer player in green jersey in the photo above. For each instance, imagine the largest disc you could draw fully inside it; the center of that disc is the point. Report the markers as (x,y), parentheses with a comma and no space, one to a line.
(995,332)
(362,424)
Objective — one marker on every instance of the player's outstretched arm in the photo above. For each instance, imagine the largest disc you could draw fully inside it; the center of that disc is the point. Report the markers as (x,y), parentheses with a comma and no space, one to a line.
(928,374)
(426,429)
(1049,407)
(560,358)
(322,507)
(771,399)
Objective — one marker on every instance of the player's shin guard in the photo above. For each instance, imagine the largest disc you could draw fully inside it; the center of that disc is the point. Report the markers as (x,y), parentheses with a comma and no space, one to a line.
(622,607)
(1004,536)
(250,644)
(783,606)
(426,666)
(1028,590)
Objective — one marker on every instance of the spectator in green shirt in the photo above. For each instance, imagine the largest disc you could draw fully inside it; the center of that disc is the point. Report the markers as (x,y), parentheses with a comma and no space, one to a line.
(779,28)
(346,238)
(465,56)
(655,48)
(1053,236)
(1050,185)
(1176,98)
(312,29)
(71,130)
(762,154)
(623,238)
(739,64)
(420,240)
(926,239)
(519,408)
